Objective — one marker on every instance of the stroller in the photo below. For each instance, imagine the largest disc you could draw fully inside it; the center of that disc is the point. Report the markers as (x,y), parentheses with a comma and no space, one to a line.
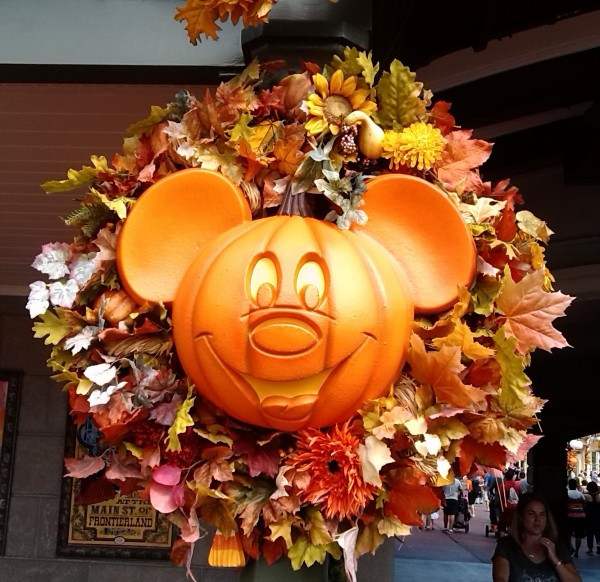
(461,521)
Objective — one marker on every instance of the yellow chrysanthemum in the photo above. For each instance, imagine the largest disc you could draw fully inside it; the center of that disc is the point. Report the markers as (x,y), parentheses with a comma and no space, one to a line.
(419,146)
(331,102)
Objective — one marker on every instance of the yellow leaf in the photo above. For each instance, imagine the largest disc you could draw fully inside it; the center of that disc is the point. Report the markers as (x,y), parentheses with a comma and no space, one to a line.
(392,526)
(214,437)
(182,420)
(136,451)
(157,114)
(118,205)
(486,430)
(483,209)
(229,162)
(241,130)
(369,71)
(533,226)
(316,527)
(77,178)
(304,553)
(55,328)
(448,429)
(462,337)
(369,539)
(514,383)
(283,529)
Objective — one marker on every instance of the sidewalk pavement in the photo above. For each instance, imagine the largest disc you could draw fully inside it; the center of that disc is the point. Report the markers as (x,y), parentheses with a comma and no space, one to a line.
(440,557)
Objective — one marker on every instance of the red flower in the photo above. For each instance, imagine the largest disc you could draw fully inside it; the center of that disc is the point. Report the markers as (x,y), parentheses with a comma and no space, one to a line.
(332,462)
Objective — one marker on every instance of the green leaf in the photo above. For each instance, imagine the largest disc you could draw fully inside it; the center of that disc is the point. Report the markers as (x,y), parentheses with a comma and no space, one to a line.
(52,326)
(77,178)
(182,420)
(240,129)
(157,115)
(350,64)
(514,384)
(316,527)
(484,294)
(533,226)
(89,218)
(398,97)
(305,553)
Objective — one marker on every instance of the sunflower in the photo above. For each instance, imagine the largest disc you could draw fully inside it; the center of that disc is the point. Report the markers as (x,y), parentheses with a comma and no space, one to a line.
(419,146)
(332,462)
(332,101)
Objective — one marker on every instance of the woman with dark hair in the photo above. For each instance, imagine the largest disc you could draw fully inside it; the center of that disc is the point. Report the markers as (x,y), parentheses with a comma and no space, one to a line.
(531,551)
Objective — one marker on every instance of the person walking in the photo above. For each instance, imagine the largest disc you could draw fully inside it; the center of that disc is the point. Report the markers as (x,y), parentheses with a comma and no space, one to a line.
(592,517)
(575,515)
(451,493)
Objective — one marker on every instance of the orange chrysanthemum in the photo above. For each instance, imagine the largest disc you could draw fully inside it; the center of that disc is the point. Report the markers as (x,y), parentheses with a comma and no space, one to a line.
(333,101)
(332,462)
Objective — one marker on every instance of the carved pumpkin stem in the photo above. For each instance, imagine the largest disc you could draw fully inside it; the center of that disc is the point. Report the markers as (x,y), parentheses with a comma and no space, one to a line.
(295,204)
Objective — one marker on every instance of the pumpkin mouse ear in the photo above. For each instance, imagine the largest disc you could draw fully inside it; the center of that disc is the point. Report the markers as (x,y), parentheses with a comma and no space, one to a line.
(169,225)
(426,235)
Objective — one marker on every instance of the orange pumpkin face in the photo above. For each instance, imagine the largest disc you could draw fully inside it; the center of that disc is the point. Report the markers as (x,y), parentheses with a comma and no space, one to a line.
(289,322)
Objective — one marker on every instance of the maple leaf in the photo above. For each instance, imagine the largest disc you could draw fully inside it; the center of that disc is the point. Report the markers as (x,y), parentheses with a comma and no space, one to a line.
(440,370)
(83,467)
(490,455)
(487,430)
(462,337)
(369,538)
(391,526)
(533,226)
(272,550)
(373,455)
(529,312)
(448,429)
(200,19)
(514,382)
(441,117)
(460,158)
(259,459)
(227,162)
(283,529)
(216,466)
(52,326)
(181,552)
(303,552)
(316,527)
(288,152)
(122,469)
(409,496)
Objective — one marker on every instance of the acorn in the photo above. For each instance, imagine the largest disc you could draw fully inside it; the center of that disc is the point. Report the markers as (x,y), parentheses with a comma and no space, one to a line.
(370,135)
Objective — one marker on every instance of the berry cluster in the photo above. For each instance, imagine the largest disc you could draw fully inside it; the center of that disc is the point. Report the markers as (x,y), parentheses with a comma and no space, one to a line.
(348,146)
(146,433)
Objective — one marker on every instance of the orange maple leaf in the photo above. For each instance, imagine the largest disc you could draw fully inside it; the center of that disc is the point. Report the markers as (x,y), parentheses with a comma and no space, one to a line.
(288,151)
(529,312)
(200,19)
(490,455)
(460,159)
(409,496)
(441,116)
(440,370)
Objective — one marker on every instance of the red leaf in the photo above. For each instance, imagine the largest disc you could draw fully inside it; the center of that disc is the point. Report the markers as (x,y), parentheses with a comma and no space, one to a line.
(180,551)
(95,490)
(441,117)
(259,459)
(272,551)
(409,496)
(492,455)
(250,543)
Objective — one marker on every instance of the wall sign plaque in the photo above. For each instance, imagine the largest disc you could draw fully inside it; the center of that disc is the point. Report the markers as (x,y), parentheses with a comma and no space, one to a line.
(123,526)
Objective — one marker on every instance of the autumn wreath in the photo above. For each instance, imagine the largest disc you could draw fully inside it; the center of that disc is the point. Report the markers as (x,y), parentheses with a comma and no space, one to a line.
(463,397)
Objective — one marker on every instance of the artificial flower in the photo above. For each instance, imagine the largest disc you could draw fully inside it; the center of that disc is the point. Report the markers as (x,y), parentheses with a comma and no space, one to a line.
(332,460)
(418,146)
(333,101)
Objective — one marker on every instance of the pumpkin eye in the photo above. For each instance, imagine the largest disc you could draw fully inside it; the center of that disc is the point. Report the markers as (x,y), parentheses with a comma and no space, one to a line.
(264,281)
(310,284)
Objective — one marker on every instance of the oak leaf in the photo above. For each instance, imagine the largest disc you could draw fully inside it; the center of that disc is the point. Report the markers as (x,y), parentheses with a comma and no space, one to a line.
(440,370)
(53,327)
(460,159)
(529,312)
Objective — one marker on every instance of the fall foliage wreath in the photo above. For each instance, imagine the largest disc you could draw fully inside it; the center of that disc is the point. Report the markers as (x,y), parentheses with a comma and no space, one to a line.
(463,396)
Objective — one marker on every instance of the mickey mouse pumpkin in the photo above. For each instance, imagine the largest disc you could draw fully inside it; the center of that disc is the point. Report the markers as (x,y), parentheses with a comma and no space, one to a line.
(289,322)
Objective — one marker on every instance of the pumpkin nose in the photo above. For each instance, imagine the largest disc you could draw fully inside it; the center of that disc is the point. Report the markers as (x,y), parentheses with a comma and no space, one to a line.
(284,336)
